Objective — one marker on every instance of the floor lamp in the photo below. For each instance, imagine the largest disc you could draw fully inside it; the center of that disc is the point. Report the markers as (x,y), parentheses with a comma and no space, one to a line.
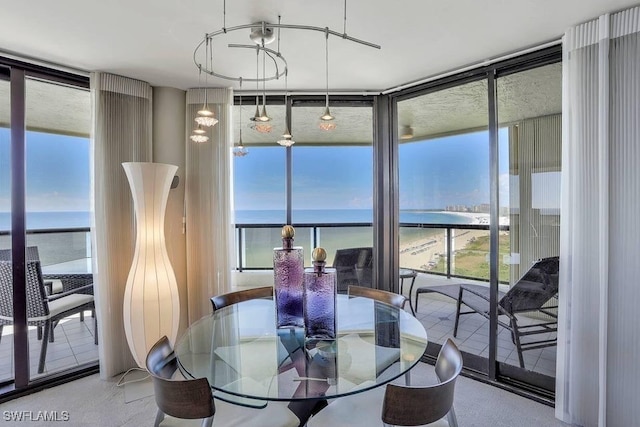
(151,302)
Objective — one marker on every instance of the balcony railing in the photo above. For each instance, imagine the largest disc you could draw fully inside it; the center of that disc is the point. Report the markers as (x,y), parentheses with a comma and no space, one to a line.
(451,250)
(61,250)
(463,248)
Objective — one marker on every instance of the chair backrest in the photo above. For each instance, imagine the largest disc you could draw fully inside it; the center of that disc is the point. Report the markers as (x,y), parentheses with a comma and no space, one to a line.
(188,399)
(411,406)
(31,253)
(37,306)
(224,300)
(536,287)
(354,266)
(390,298)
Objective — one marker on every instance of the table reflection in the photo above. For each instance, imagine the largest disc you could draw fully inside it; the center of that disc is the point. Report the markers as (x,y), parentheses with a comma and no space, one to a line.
(240,351)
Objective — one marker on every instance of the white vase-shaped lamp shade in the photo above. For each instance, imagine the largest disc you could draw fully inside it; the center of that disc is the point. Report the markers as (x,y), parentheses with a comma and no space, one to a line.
(151,302)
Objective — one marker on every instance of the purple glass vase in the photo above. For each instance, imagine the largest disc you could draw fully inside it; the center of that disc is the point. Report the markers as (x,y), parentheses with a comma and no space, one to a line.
(288,270)
(320,299)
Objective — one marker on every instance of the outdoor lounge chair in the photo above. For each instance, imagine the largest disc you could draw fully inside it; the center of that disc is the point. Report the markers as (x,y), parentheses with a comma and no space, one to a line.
(354,267)
(528,295)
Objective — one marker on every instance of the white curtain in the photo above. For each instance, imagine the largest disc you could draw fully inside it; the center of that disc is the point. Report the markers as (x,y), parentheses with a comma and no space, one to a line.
(122,109)
(598,378)
(210,242)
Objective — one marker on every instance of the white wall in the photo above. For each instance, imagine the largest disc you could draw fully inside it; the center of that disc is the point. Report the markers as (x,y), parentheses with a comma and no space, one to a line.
(169,106)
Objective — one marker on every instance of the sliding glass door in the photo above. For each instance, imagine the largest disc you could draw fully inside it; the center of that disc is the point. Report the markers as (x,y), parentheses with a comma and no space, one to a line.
(6,308)
(479,179)
(530,109)
(45,243)
(444,193)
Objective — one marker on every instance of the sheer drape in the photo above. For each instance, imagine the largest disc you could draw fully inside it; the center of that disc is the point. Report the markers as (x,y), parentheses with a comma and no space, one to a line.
(208,203)
(121,133)
(598,379)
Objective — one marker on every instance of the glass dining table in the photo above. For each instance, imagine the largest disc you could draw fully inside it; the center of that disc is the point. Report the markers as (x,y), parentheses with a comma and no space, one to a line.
(248,361)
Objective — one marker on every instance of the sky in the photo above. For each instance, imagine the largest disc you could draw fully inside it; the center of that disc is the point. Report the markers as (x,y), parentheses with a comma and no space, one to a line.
(58,172)
(433,174)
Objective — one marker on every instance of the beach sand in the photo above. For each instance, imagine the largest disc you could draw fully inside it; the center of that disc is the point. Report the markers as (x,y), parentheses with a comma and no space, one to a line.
(421,250)
(424,254)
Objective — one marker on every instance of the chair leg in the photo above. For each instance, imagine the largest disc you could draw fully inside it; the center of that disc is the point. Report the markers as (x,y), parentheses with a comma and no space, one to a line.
(82,316)
(458,304)
(207,422)
(451,418)
(39,332)
(407,378)
(95,331)
(45,342)
(159,418)
(1,326)
(51,337)
(516,336)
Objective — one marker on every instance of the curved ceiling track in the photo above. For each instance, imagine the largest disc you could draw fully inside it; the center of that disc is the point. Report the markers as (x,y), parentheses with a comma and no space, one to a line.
(275,56)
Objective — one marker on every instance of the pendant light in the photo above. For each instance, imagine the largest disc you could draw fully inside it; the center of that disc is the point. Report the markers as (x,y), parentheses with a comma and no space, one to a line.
(205,115)
(258,124)
(287,138)
(264,117)
(327,120)
(199,134)
(238,149)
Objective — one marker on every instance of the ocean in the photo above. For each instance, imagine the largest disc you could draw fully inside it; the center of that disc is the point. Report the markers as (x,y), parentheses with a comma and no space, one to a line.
(258,242)
(47,220)
(79,219)
(345,216)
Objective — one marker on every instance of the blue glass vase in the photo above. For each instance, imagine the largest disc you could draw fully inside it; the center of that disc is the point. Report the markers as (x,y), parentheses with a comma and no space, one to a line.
(320,299)
(288,270)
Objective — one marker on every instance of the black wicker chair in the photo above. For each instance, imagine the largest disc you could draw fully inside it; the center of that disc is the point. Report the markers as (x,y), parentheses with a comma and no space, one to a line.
(43,311)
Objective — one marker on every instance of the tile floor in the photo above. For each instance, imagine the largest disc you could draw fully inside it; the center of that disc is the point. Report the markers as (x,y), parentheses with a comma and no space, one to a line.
(73,345)
(437,313)
(74,339)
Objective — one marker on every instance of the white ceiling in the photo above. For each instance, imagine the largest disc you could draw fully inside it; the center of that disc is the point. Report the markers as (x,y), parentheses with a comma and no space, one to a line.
(154,40)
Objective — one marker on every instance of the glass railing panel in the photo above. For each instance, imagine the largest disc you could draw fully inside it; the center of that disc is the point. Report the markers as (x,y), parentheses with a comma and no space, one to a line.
(67,251)
(258,244)
(334,238)
(470,253)
(423,249)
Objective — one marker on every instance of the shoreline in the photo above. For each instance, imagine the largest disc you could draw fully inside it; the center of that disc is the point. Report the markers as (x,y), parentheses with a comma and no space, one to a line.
(423,252)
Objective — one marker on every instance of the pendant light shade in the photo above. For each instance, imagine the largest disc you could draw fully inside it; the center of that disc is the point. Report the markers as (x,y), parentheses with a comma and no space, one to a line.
(326,119)
(287,138)
(238,149)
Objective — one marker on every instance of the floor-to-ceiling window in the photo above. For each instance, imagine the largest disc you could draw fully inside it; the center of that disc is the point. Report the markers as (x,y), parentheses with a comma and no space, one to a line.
(46,205)
(259,184)
(479,169)
(332,177)
(322,184)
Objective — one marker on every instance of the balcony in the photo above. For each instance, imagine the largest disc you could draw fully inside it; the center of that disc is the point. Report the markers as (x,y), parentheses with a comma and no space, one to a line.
(62,252)
(441,254)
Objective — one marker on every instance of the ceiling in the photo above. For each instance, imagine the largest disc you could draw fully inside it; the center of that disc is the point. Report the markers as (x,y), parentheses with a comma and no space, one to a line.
(154,40)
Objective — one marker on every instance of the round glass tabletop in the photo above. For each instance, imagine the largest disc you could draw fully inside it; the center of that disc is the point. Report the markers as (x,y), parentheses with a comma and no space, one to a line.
(242,354)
